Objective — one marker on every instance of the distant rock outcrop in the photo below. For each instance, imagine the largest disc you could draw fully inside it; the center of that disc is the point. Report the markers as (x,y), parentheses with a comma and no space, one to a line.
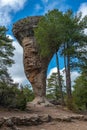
(35,66)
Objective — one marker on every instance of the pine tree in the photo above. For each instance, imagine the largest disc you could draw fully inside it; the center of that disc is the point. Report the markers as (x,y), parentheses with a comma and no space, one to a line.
(53,86)
(74,41)
(80,92)
(63,32)
(49,38)
(6,54)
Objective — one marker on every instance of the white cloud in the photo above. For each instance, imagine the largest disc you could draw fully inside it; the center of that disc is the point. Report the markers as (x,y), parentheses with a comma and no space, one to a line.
(51,4)
(13,4)
(17,69)
(83,9)
(74,74)
(7,7)
(38,7)
(85,31)
(5,18)
(53,70)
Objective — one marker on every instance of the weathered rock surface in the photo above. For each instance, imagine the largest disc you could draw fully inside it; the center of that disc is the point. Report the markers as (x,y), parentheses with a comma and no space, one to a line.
(35,65)
(14,122)
(1,122)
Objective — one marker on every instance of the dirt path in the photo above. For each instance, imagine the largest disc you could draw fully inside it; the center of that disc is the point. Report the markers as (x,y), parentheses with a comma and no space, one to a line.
(54,125)
(78,125)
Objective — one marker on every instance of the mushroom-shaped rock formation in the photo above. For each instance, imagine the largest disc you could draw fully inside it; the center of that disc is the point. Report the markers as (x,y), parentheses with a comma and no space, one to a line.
(35,66)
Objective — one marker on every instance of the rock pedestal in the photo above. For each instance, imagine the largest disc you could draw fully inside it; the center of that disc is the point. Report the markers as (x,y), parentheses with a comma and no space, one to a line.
(35,66)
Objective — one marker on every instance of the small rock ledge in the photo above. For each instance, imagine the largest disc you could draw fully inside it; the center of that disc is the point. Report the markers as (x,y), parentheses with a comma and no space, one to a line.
(13,122)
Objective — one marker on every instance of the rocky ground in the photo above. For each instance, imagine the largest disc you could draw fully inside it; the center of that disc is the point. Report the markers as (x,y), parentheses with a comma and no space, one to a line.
(42,118)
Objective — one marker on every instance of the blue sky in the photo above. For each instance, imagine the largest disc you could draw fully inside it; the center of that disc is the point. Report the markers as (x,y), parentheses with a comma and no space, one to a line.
(14,10)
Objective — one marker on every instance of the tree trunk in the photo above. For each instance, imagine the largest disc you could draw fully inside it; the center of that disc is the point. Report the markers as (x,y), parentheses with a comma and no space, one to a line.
(86,105)
(68,84)
(68,79)
(59,79)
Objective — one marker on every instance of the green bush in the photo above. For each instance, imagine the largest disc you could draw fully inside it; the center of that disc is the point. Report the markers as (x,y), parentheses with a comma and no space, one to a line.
(20,101)
(12,97)
(28,93)
(80,92)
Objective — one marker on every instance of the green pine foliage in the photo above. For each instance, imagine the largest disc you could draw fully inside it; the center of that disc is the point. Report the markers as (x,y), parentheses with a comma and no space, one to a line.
(53,86)
(80,92)
(11,96)
(6,54)
(48,32)
(6,48)
(64,32)
(28,92)
(53,89)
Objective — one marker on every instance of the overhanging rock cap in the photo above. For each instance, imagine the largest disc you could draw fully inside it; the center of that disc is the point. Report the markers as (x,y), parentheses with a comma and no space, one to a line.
(23,27)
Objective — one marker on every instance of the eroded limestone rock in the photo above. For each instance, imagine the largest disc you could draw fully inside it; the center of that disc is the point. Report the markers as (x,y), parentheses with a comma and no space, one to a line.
(35,66)
(36,119)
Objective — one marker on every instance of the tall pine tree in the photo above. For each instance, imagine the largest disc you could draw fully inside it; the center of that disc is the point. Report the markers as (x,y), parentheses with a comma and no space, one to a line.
(6,54)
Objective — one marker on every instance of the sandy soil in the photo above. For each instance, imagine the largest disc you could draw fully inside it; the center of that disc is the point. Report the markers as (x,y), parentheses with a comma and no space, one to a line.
(78,125)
